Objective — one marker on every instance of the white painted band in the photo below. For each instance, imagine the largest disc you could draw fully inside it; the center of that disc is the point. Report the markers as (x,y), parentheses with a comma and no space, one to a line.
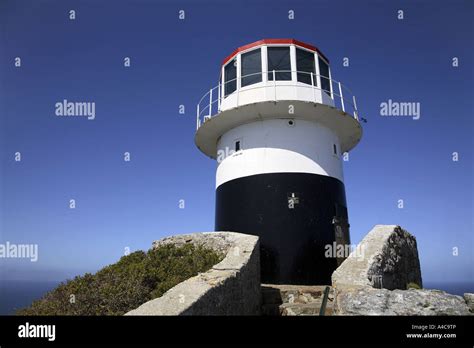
(275,146)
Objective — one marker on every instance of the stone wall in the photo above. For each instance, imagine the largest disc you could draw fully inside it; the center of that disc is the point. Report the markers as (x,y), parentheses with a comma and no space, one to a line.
(232,287)
(389,260)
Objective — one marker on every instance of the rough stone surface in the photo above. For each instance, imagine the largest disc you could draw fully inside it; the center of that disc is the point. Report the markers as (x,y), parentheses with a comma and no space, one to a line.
(370,301)
(374,282)
(389,259)
(469,298)
(294,300)
(232,287)
(300,309)
(218,241)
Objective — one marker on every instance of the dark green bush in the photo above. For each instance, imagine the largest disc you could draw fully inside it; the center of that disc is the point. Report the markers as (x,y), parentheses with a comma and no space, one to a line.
(125,285)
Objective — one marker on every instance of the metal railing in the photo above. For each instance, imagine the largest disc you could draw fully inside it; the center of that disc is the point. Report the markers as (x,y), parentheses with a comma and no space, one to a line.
(322,310)
(341,96)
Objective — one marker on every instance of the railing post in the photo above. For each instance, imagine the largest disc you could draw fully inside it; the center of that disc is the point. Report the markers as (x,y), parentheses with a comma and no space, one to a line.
(356,116)
(274,87)
(312,86)
(342,98)
(322,310)
(330,84)
(219,97)
(237,90)
(197,118)
(210,102)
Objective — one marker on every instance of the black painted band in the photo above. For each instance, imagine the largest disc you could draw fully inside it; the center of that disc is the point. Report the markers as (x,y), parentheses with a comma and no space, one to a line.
(292,240)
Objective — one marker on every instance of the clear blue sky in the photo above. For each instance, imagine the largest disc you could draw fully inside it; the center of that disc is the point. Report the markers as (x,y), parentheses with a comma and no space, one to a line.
(174,62)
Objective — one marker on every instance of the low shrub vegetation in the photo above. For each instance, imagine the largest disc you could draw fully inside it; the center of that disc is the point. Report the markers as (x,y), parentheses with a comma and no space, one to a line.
(125,285)
(413,286)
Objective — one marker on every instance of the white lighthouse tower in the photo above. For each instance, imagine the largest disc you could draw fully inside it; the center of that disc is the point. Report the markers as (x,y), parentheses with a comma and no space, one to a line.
(278,125)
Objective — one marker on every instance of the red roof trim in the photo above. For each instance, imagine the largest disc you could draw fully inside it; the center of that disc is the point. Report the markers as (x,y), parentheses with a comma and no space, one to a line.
(274,41)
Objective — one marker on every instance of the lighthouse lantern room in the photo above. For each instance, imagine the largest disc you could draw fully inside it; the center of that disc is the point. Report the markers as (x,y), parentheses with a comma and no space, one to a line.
(278,125)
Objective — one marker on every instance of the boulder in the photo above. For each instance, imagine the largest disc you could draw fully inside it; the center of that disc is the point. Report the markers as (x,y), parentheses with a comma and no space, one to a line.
(386,258)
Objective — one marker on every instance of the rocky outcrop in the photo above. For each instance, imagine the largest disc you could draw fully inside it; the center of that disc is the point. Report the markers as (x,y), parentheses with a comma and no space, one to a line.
(370,301)
(386,258)
(375,281)
(232,287)
(469,298)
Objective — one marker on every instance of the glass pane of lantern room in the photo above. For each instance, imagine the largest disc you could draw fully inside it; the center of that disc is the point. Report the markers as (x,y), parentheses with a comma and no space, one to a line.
(251,67)
(324,72)
(305,66)
(230,75)
(279,60)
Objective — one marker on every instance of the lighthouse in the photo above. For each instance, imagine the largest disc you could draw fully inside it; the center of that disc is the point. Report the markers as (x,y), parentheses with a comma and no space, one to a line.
(278,126)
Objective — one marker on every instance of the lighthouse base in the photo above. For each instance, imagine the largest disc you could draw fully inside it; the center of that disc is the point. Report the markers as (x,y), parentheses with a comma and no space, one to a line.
(298,217)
